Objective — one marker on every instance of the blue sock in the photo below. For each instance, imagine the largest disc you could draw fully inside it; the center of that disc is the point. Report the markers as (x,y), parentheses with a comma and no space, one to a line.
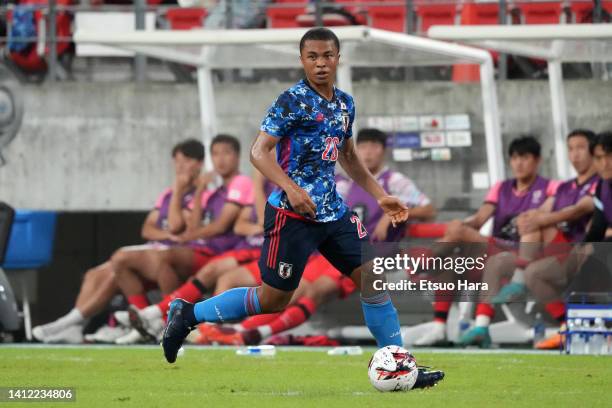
(231,305)
(381,318)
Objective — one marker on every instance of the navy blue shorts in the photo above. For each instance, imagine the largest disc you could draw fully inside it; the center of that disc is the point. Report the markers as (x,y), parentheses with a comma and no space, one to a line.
(290,240)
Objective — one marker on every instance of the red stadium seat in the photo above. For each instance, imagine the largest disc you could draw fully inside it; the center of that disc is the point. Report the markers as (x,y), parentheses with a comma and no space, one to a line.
(186,18)
(582,12)
(285,17)
(390,18)
(475,14)
(541,12)
(426,230)
(435,14)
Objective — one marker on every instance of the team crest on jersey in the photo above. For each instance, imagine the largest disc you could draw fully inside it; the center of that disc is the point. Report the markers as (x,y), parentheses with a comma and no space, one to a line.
(345,117)
(537,195)
(285,270)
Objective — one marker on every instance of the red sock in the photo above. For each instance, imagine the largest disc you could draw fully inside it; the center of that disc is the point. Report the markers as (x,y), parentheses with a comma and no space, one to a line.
(556,310)
(441,309)
(140,301)
(191,291)
(254,322)
(485,309)
(294,315)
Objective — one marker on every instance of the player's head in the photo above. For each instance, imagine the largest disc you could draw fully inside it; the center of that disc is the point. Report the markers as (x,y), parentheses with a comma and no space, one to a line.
(225,154)
(371,145)
(524,155)
(320,53)
(603,155)
(580,145)
(188,157)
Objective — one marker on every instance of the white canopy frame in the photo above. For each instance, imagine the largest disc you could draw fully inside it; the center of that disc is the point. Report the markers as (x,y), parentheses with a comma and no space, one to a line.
(208,49)
(555,44)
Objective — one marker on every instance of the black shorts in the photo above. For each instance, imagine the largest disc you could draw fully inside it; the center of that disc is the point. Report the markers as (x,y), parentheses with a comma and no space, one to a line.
(291,239)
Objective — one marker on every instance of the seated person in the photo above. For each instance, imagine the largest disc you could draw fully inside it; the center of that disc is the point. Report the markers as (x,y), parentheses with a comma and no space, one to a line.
(561,219)
(208,232)
(166,219)
(504,202)
(548,277)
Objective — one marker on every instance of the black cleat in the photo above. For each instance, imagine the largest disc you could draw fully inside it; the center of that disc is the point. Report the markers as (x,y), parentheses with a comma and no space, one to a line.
(176,329)
(427,379)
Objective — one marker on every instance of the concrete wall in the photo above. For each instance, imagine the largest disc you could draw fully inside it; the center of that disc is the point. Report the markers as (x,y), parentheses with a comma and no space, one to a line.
(105,146)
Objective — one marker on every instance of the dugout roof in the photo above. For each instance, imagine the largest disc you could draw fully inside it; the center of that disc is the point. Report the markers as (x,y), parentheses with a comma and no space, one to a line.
(277,48)
(555,44)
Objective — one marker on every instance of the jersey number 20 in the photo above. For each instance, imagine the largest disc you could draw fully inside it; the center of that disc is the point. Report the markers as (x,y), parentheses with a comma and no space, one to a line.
(331,149)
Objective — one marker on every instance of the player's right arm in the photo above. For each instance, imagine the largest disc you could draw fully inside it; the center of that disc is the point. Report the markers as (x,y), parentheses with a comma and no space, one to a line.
(244,226)
(176,220)
(150,231)
(481,216)
(263,157)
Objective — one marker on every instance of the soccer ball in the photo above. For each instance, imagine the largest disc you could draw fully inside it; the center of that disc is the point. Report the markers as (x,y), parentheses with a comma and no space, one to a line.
(393,368)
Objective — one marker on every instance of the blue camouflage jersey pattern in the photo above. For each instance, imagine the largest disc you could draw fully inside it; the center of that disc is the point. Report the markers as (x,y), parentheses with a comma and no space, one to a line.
(312,131)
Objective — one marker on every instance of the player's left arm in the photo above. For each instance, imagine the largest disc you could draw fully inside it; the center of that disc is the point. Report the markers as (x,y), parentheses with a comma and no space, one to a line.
(225,222)
(355,169)
(570,213)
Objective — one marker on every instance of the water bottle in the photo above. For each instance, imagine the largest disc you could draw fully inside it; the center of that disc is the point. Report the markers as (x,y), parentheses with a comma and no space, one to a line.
(586,327)
(345,351)
(257,351)
(539,329)
(464,326)
(576,342)
(598,340)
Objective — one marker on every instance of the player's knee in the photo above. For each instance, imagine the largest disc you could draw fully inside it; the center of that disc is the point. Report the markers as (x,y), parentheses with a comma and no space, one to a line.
(119,260)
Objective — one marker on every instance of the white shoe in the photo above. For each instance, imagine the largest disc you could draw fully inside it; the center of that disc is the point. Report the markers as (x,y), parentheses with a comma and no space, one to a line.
(434,336)
(148,322)
(107,334)
(133,337)
(44,331)
(123,318)
(69,335)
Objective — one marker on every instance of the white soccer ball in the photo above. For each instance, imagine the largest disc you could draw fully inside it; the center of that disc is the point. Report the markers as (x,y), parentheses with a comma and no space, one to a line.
(393,368)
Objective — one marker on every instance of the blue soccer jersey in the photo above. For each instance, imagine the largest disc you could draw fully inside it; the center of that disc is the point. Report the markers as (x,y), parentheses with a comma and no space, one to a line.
(312,130)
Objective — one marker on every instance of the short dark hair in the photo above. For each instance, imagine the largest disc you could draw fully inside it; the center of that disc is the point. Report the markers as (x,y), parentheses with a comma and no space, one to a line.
(230,140)
(192,148)
(523,145)
(604,140)
(589,135)
(319,34)
(372,135)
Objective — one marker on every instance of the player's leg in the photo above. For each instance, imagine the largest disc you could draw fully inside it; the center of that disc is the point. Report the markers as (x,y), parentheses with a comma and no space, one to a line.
(97,289)
(132,265)
(497,267)
(287,245)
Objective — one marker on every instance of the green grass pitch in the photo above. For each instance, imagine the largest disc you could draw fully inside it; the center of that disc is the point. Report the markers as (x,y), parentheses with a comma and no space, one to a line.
(140,377)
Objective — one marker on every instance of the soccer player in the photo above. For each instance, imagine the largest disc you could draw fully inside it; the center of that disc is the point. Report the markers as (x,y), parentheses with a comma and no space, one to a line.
(548,277)
(310,128)
(504,202)
(99,285)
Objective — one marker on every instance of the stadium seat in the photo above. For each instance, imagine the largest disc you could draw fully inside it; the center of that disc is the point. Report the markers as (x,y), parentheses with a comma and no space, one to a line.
(285,17)
(582,12)
(435,14)
(475,14)
(541,12)
(390,18)
(186,18)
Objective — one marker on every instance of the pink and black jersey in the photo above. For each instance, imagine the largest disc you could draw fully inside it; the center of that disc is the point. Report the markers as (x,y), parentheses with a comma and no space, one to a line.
(509,203)
(367,207)
(162,205)
(238,191)
(570,193)
(256,241)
